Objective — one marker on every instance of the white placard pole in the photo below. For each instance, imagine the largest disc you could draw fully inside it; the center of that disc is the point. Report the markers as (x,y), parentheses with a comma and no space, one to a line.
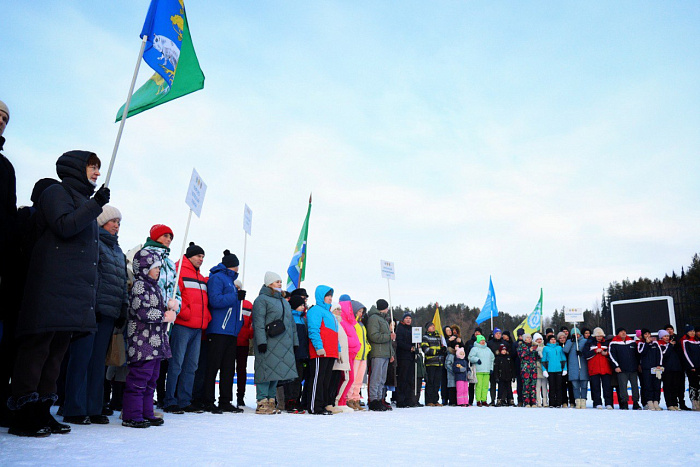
(182,253)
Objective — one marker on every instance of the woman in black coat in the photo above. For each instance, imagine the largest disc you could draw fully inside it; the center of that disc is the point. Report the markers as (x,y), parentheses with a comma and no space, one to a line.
(59,297)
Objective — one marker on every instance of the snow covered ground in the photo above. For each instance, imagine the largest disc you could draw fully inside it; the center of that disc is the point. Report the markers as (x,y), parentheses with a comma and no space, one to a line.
(422,436)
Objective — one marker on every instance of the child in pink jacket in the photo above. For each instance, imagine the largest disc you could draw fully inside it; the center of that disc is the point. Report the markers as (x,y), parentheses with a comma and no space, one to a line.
(348,323)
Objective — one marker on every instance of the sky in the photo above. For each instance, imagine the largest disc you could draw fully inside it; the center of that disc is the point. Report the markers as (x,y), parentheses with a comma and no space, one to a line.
(544,145)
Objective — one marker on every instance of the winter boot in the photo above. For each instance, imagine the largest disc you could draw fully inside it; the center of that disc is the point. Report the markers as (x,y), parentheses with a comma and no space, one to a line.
(57,428)
(262,408)
(650,405)
(656,406)
(27,417)
(696,406)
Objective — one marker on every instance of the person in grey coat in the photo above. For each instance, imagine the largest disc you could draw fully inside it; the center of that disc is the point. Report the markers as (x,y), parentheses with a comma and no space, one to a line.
(274,354)
(577,366)
(59,296)
(85,374)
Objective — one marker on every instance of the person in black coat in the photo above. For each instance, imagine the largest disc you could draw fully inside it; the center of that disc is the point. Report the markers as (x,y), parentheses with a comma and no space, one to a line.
(8,219)
(504,373)
(59,297)
(405,362)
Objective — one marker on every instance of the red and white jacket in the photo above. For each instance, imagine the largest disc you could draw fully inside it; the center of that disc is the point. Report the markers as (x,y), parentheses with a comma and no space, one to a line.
(194,312)
(246,332)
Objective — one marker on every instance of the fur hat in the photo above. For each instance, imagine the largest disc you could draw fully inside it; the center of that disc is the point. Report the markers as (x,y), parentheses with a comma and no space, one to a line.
(459,352)
(159,230)
(271,277)
(598,332)
(108,213)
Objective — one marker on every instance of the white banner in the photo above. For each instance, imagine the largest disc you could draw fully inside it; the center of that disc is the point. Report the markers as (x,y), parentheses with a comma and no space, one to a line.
(573,315)
(416,335)
(195,193)
(387,270)
(247,219)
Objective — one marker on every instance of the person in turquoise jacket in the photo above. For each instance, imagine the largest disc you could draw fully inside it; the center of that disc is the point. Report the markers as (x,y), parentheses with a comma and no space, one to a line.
(553,368)
(324,348)
(482,357)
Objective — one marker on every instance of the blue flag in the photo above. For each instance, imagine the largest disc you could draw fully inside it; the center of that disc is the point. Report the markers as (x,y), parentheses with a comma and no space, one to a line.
(164,26)
(297,267)
(490,309)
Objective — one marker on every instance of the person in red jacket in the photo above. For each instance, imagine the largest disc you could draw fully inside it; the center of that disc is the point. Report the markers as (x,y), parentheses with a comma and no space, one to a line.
(596,353)
(244,337)
(186,336)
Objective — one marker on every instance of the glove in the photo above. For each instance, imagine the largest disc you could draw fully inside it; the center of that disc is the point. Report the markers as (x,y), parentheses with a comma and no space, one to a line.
(321,353)
(578,352)
(98,318)
(102,196)
(262,348)
(296,349)
(241,295)
(545,374)
(478,362)
(564,373)
(119,322)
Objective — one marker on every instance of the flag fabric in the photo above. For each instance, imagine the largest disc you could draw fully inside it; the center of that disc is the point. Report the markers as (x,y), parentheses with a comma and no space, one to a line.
(297,267)
(438,324)
(490,309)
(169,51)
(533,322)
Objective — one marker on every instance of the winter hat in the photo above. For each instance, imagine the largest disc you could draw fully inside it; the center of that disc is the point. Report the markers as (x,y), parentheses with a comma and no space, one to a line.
(506,333)
(550,337)
(193,250)
(644,331)
(480,338)
(296,301)
(521,332)
(156,264)
(300,292)
(108,213)
(502,347)
(479,329)
(497,330)
(357,306)
(598,332)
(247,305)
(428,324)
(405,315)
(382,304)
(669,326)
(229,260)
(549,331)
(4,108)
(662,333)
(271,277)
(560,335)
(638,333)
(527,335)
(575,330)
(619,330)
(345,298)
(40,186)
(460,352)
(563,328)
(689,327)
(536,336)
(159,230)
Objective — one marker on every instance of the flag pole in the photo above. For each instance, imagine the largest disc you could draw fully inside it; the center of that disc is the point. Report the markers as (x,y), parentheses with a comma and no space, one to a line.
(391,308)
(182,252)
(245,249)
(126,113)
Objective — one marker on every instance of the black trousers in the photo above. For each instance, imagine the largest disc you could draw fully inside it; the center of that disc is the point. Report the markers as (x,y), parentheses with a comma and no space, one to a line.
(505,390)
(405,390)
(8,355)
(555,389)
(596,382)
(241,371)
(221,358)
(38,363)
(651,387)
(432,383)
(336,379)
(472,386)
(519,379)
(674,388)
(160,384)
(321,370)
(493,382)
(292,389)
(567,391)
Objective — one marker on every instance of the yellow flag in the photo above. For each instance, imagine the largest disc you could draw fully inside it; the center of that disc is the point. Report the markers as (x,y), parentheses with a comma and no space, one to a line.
(438,324)
(533,322)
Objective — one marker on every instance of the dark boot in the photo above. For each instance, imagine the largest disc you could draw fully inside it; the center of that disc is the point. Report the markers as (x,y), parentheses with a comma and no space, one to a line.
(57,428)
(117,395)
(27,418)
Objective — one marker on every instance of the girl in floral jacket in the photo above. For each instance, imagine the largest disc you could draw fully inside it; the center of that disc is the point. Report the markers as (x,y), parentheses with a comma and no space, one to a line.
(147,341)
(528,354)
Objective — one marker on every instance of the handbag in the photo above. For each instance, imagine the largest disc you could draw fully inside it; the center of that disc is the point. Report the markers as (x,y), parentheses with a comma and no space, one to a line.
(471,374)
(116,353)
(275,328)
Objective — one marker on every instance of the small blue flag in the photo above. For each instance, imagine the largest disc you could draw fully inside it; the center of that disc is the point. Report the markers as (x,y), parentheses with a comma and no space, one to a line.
(164,26)
(490,309)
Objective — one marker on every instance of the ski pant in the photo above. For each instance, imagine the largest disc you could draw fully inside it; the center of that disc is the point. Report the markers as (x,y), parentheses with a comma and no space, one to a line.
(673,388)
(482,387)
(472,388)
(432,384)
(38,363)
(580,388)
(555,387)
(694,385)
(622,395)
(651,389)
(321,369)
(360,368)
(241,371)
(221,358)
(139,389)
(462,392)
(377,378)
(444,390)
(407,379)
(596,382)
(292,389)
(567,391)
(529,391)
(505,390)
(85,375)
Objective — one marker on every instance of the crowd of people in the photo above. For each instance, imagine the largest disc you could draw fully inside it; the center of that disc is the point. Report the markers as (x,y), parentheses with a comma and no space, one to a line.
(94,330)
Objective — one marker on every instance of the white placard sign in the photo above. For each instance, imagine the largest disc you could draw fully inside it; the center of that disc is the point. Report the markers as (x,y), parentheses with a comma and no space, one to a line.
(195,193)
(247,219)
(573,315)
(388,270)
(416,335)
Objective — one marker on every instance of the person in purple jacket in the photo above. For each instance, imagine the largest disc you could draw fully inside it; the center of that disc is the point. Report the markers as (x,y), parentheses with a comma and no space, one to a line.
(146,340)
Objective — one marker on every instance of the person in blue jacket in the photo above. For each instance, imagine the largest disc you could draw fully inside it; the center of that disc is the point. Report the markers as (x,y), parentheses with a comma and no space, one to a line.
(226,322)
(324,349)
(651,361)
(553,368)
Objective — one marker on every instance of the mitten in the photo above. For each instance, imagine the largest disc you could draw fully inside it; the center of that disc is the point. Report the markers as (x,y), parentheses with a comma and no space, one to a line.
(564,373)
(262,348)
(241,295)
(545,374)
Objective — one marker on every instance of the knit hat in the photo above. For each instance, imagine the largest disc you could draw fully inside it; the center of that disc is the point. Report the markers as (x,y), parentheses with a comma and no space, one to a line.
(296,301)
(502,347)
(460,352)
(563,328)
(229,260)
(598,332)
(662,333)
(4,108)
(159,230)
(619,330)
(521,332)
(271,277)
(549,331)
(497,330)
(405,315)
(527,335)
(478,329)
(428,324)
(193,250)
(156,264)
(344,298)
(560,335)
(300,292)
(689,327)
(550,337)
(644,331)
(108,213)
(536,336)
(40,186)
(247,305)
(382,304)
(575,330)
(480,338)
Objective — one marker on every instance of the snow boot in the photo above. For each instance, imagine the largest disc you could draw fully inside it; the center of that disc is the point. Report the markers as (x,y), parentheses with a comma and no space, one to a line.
(262,408)
(49,421)
(27,417)
(650,405)
(656,406)
(136,423)
(696,406)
